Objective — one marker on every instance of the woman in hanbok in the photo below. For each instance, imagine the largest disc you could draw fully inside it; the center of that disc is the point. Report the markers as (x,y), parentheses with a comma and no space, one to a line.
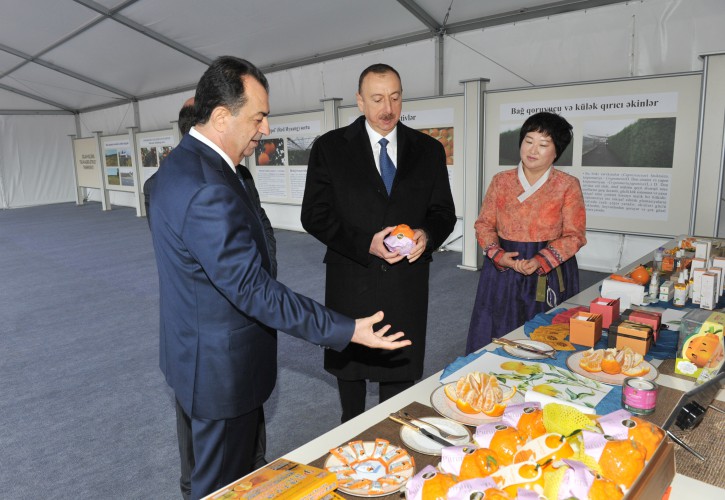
(531,224)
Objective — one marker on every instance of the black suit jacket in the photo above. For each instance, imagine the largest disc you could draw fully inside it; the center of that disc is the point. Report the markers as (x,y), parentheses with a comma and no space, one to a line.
(344,205)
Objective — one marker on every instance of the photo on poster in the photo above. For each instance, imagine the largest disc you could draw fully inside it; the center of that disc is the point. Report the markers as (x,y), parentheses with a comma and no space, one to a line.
(111,158)
(299,149)
(444,135)
(127,177)
(270,152)
(508,148)
(149,157)
(164,152)
(113,176)
(639,142)
(124,158)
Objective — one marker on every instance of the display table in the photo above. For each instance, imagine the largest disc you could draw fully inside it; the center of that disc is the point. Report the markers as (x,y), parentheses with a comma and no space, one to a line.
(683,486)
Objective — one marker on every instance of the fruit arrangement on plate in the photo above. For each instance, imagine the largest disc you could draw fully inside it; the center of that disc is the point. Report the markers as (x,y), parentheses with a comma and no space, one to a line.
(550,452)
(613,362)
(479,392)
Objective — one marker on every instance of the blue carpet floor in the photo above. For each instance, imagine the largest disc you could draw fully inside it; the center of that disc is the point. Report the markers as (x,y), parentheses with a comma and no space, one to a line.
(84,409)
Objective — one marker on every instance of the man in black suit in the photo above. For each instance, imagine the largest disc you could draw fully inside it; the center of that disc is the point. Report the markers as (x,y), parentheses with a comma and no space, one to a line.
(348,206)
(219,306)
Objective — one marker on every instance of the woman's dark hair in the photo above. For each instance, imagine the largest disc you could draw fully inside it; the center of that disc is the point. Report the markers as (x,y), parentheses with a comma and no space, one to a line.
(549,124)
(222,85)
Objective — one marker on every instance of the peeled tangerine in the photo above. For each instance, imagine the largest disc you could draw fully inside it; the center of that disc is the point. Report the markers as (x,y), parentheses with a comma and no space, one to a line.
(622,461)
(613,361)
(480,463)
(478,392)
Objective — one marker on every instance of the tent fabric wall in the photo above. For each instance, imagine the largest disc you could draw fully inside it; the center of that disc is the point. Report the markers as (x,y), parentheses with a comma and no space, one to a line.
(620,40)
(36,160)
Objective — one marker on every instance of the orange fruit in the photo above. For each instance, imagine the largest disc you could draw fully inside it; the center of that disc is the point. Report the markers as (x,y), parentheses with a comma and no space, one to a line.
(646,434)
(531,424)
(506,441)
(496,411)
(640,275)
(591,360)
(403,229)
(478,393)
(631,363)
(436,487)
(269,147)
(496,494)
(609,363)
(604,489)
(622,460)
(263,159)
(480,463)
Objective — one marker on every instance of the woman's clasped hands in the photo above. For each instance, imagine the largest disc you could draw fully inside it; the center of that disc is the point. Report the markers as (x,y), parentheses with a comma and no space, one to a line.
(522,266)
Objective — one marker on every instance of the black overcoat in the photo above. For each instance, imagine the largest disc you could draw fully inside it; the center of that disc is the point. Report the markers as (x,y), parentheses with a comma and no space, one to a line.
(345,204)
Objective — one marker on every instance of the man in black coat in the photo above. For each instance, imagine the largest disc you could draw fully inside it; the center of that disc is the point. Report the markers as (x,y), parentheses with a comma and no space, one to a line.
(349,208)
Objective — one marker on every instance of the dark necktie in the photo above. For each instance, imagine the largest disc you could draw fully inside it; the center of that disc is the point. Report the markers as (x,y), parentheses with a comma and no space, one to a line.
(387,168)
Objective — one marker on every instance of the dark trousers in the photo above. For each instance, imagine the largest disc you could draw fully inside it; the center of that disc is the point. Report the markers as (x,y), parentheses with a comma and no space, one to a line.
(229,435)
(352,395)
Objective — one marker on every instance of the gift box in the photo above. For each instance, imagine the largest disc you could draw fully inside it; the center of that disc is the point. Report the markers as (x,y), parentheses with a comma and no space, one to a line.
(700,347)
(585,329)
(651,318)
(608,308)
(624,333)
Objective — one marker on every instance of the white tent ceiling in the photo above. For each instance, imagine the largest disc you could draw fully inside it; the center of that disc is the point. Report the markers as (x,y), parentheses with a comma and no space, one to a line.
(69,56)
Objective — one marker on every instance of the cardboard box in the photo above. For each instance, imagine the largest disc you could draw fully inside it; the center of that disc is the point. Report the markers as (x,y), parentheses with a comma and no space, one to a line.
(280,479)
(702,249)
(697,285)
(623,333)
(651,318)
(585,328)
(709,294)
(667,291)
(719,273)
(608,308)
(657,475)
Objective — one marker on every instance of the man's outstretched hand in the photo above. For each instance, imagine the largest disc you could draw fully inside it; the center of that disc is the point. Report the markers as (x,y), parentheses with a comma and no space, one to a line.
(365,335)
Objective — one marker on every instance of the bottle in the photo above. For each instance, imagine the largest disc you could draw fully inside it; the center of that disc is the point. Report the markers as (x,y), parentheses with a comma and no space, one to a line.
(680,291)
(654,286)
(659,255)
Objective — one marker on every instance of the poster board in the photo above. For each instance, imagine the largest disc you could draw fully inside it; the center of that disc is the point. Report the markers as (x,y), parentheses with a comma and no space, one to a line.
(634,146)
(441,118)
(279,162)
(86,163)
(151,149)
(118,163)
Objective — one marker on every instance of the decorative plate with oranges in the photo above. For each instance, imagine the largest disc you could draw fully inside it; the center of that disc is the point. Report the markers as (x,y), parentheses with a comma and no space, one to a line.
(610,366)
(474,399)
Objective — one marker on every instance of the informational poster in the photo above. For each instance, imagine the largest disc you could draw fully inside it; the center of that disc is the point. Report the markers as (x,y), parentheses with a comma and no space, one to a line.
(118,163)
(633,148)
(439,118)
(151,149)
(87,162)
(280,160)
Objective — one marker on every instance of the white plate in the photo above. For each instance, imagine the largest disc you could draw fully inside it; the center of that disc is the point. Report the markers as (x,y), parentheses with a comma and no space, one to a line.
(422,444)
(444,406)
(572,362)
(523,354)
(370,468)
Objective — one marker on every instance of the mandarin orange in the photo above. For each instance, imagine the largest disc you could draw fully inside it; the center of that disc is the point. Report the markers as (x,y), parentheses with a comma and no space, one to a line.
(622,460)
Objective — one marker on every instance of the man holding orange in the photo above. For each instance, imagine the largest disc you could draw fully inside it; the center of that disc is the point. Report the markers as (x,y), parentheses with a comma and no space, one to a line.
(362,181)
